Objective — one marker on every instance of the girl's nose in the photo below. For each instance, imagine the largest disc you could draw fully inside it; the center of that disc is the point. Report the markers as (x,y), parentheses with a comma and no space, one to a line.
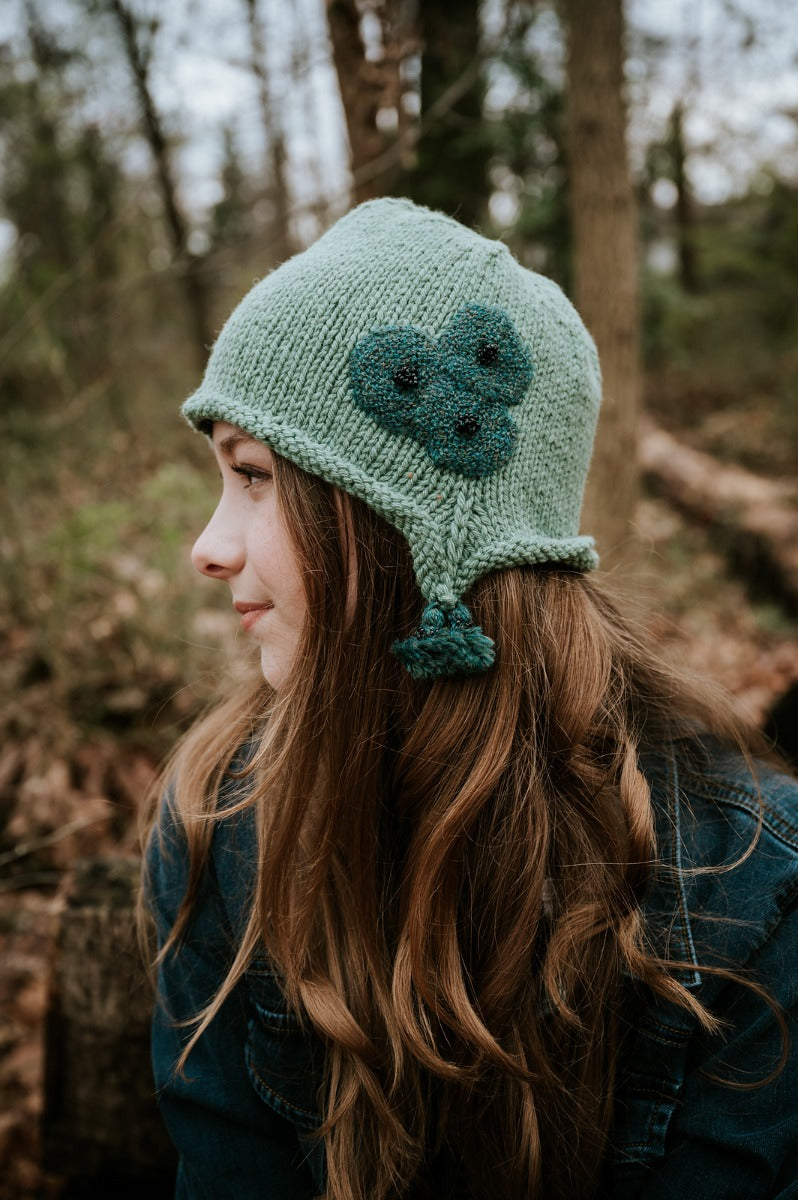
(218,552)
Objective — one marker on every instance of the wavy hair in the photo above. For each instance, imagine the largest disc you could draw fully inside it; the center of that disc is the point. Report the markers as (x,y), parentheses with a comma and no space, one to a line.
(450,871)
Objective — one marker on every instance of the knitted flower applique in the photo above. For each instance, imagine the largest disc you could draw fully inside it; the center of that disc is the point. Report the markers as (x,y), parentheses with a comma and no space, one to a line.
(451,395)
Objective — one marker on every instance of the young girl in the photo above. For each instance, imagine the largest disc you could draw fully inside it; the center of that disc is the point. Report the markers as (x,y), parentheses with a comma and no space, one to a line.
(468,895)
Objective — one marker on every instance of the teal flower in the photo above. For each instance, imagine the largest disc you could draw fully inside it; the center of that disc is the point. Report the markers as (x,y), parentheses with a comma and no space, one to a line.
(451,395)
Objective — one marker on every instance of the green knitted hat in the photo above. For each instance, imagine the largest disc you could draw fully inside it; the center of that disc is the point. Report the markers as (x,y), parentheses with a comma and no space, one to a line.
(418,366)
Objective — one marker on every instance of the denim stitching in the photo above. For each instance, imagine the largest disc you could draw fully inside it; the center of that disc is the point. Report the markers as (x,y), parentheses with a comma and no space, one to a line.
(280,1102)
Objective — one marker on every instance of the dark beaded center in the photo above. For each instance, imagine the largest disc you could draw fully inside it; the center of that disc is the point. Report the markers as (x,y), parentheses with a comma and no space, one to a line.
(406,377)
(488,354)
(467,426)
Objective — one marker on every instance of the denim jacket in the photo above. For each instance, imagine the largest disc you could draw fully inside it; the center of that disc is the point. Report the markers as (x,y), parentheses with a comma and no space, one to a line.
(244,1114)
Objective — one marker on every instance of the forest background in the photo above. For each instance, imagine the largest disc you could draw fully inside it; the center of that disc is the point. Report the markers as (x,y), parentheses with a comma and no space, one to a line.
(155,158)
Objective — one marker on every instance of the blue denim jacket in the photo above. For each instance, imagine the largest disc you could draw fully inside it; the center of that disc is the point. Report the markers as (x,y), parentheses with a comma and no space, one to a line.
(243,1118)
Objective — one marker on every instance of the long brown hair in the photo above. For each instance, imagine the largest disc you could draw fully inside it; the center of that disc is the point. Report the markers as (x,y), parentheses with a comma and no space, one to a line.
(450,872)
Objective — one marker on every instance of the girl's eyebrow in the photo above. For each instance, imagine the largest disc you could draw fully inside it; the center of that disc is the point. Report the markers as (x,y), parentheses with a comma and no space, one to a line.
(227,445)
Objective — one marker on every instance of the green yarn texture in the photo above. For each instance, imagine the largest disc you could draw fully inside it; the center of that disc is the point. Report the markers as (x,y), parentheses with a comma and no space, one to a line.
(452,396)
(418,366)
(447,642)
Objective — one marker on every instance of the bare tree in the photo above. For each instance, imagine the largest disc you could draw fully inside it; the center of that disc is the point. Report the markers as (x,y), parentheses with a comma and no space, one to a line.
(305,52)
(685,209)
(371,90)
(280,239)
(453,147)
(139,56)
(605,259)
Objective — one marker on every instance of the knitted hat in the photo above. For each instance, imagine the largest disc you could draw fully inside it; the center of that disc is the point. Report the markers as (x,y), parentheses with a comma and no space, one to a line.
(419,367)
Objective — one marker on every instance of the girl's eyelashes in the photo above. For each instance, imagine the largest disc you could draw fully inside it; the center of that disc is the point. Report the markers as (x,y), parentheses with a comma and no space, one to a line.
(252,475)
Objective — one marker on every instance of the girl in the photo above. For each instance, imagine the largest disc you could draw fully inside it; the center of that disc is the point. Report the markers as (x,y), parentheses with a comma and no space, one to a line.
(468,895)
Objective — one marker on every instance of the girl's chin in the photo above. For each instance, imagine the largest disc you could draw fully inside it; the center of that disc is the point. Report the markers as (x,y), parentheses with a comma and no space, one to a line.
(276,663)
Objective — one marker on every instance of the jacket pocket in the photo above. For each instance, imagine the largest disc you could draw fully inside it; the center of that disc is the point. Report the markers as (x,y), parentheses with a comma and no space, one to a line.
(285,1062)
(650,1083)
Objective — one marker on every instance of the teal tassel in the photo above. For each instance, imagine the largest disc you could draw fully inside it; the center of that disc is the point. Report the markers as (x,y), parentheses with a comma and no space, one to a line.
(447,642)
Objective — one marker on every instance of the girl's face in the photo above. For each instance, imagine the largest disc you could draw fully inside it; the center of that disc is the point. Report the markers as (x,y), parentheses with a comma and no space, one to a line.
(246,544)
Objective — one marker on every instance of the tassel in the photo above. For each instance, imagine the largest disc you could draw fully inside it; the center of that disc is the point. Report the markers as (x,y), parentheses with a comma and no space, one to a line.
(447,642)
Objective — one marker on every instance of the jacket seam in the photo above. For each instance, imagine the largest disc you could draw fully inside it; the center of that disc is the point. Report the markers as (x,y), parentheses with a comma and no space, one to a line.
(281,1102)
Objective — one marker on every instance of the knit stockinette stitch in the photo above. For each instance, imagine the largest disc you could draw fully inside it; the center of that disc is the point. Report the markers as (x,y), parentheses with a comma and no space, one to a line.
(418,366)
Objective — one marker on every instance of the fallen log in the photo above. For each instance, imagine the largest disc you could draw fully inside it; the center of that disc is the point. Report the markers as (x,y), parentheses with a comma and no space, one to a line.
(755,519)
(101,1132)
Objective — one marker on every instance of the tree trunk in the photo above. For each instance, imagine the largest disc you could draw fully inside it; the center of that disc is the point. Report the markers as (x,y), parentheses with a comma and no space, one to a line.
(685,215)
(453,150)
(366,87)
(100,1129)
(605,262)
(281,240)
(191,281)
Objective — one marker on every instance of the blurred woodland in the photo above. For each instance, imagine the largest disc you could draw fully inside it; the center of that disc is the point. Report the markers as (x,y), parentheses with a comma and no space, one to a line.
(155,158)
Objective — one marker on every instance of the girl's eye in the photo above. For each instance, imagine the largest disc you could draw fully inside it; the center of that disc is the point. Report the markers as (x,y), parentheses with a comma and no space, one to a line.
(252,475)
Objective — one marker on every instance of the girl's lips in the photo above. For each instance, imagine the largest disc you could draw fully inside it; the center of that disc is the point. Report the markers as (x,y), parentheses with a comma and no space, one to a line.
(251,613)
